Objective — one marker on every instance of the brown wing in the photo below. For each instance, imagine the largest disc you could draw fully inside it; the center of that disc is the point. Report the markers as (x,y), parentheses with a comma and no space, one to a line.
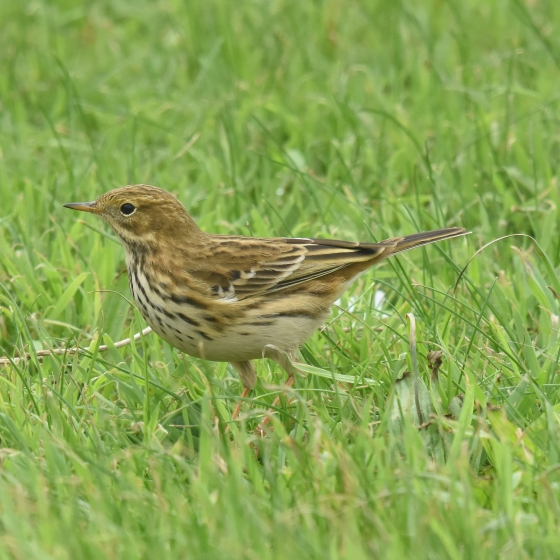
(239,267)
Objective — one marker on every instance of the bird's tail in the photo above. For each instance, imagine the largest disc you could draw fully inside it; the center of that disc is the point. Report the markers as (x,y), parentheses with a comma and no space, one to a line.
(424,238)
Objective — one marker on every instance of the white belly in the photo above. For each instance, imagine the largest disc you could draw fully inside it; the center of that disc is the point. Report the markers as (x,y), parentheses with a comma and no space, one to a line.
(243,342)
(188,329)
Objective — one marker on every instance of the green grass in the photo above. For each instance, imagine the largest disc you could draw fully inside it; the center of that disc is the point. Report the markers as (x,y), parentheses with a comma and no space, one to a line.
(347,119)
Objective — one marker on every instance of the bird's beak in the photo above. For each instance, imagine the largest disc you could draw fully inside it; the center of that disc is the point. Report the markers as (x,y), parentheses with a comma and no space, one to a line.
(83,206)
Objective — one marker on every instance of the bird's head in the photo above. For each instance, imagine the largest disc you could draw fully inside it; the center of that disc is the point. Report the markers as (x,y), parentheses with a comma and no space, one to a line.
(140,213)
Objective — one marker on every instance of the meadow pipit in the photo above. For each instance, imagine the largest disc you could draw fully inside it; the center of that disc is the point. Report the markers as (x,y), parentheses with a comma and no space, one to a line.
(231,298)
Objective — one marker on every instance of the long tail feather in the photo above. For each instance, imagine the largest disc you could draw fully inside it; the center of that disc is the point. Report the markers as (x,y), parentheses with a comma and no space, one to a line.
(424,238)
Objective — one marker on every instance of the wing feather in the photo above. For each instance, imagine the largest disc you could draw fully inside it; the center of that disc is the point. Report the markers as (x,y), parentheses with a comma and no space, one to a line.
(236,268)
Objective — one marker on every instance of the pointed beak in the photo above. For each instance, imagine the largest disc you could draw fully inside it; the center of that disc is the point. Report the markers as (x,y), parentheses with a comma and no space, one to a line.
(83,206)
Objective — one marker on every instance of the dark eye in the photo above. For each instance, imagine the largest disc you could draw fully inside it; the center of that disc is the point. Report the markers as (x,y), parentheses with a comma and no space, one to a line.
(127,209)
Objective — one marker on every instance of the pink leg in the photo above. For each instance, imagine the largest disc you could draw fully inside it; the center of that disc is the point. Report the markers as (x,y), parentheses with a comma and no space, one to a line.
(264,424)
(237,410)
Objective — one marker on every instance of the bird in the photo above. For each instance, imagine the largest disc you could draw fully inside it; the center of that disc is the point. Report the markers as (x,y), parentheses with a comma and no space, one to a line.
(230,298)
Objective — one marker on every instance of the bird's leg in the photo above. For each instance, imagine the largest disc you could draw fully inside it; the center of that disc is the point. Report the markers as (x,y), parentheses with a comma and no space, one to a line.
(286,361)
(244,395)
(246,371)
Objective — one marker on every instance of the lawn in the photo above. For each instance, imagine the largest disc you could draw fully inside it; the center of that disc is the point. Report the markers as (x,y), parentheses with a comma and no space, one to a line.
(353,120)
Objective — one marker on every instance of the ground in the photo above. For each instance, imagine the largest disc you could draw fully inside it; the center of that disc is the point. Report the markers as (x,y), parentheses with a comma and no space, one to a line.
(355,120)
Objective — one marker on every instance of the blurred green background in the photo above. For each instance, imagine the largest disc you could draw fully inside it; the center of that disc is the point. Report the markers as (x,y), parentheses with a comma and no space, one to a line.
(356,120)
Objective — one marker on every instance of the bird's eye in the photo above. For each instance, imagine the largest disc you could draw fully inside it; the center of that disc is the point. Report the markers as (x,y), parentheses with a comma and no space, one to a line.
(127,209)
